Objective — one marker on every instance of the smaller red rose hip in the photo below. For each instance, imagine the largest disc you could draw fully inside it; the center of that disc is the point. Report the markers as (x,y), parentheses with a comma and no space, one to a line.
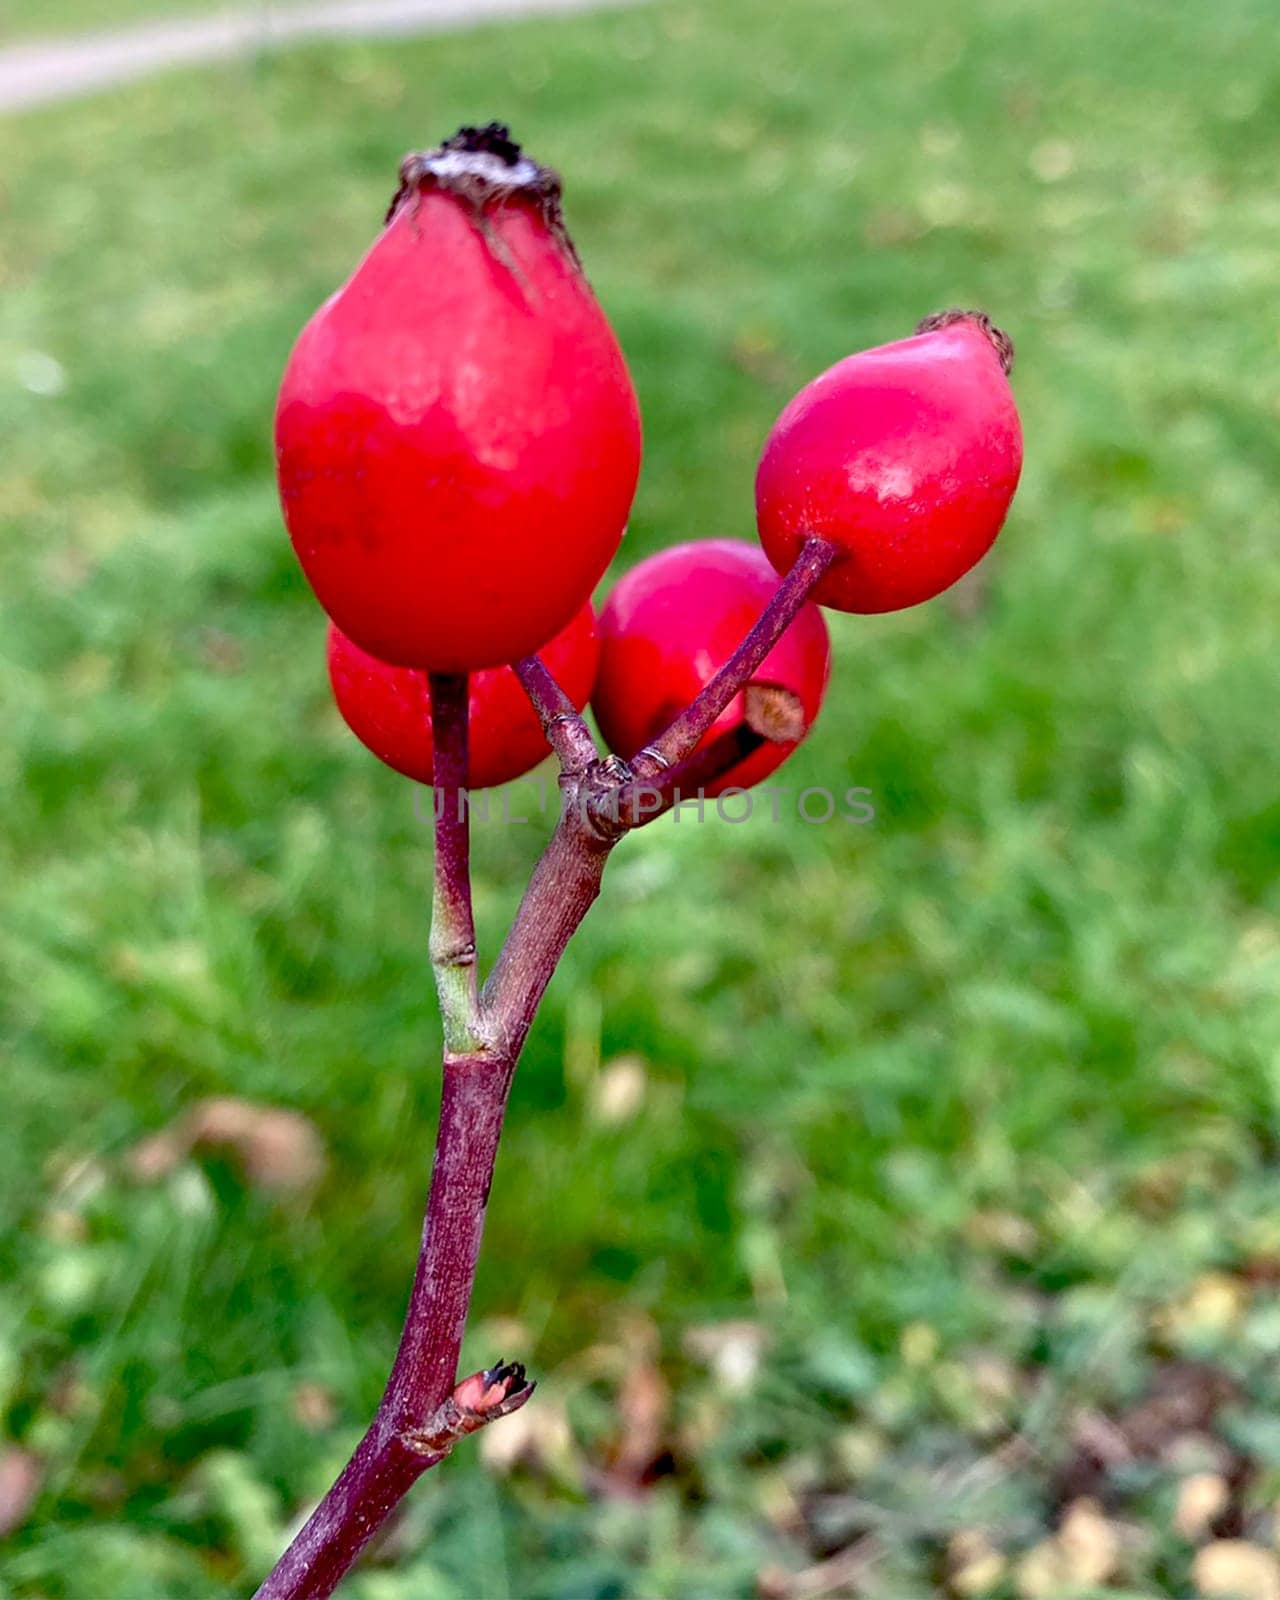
(904,457)
(672,621)
(388,708)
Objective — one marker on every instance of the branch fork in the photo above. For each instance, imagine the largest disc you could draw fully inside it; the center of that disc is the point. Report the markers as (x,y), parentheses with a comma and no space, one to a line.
(425,1410)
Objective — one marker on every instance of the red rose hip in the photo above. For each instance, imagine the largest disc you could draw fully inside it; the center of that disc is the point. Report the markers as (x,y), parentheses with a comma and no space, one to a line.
(457,437)
(388,708)
(672,621)
(905,457)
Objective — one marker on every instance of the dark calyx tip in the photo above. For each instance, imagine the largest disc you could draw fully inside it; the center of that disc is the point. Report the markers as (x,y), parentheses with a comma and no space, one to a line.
(494,139)
(484,168)
(998,339)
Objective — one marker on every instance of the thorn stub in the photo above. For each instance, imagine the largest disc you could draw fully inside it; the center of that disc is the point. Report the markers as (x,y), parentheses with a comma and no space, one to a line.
(775,713)
(477,1400)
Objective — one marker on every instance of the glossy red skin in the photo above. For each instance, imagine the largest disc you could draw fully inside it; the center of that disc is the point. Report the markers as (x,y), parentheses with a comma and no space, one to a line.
(677,617)
(457,440)
(906,456)
(389,708)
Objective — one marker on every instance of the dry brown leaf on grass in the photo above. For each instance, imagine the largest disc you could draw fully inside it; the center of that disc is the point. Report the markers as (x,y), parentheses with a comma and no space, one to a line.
(974,1565)
(1202,1498)
(313,1407)
(643,1410)
(619,1091)
(537,1437)
(644,1404)
(1233,1569)
(1083,1554)
(20,1478)
(1183,1401)
(840,1574)
(277,1149)
(731,1349)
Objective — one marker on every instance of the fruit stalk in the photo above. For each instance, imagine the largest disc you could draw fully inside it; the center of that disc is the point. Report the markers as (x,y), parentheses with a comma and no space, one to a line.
(681,737)
(453,934)
(564,725)
(638,804)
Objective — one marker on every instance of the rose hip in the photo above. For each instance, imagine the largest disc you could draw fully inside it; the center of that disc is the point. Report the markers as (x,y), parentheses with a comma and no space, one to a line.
(388,708)
(672,621)
(906,457)
(457,437)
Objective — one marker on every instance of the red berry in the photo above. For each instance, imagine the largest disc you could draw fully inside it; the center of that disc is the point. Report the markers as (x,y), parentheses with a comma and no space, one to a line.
(457,437)
(906,457)
(677,617)
(389,708)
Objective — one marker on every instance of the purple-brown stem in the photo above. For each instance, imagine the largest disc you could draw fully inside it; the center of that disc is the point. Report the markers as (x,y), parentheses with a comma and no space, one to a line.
(564,725)
(635,805)
(404,1437)
(671,763)
(396,1450)
(424,1410)
(681,737)
(561,891)
(453,933)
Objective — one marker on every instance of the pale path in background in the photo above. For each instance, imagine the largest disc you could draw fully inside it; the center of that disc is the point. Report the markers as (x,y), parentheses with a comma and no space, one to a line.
(41,70)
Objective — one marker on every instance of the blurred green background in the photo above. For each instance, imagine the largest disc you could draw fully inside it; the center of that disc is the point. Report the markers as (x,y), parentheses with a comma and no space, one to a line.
(884,1210)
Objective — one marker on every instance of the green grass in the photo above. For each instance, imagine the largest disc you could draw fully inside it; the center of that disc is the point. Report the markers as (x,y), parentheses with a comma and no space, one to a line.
(986,1087)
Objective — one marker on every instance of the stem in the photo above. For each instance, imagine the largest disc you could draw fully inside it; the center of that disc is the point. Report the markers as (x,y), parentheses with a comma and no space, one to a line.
(566,729)
(562,890)
(453,933)
(635,805)
(472,1106)
(414,1428)
(682,736)
(423,1411)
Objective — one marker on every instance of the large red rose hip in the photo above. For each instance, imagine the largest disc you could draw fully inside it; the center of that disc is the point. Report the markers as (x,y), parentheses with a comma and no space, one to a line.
(905,457)
(389,708)
(672,621)
(457,437)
